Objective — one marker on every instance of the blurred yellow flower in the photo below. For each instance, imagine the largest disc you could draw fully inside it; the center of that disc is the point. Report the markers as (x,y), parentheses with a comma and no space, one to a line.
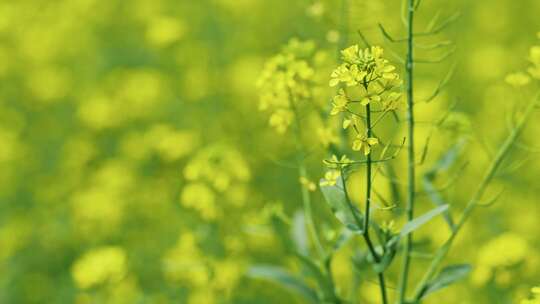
(517,79)
(201,198)
(330,178)
(281,119)
(100,266)
(184,262)
(164,31)
(307,184)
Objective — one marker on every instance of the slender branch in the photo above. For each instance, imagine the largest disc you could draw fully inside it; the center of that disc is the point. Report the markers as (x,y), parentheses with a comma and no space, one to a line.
(302,172)
(402,288)
(368,173)
(348,199)
(477,196)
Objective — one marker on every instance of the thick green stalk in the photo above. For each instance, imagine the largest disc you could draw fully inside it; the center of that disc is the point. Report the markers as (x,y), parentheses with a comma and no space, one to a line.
(477,196)
(402,288)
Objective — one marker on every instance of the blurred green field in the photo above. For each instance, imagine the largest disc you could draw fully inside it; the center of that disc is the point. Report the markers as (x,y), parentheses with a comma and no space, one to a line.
(136,166)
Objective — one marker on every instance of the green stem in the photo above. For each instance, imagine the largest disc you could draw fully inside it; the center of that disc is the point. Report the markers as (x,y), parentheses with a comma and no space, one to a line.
(367,211)
(402,288)
(302,173)
(477,196)
(328,269)
(365,224)
(368,173)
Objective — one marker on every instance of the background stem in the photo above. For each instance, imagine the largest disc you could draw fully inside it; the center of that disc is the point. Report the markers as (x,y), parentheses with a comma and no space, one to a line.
(302,173)
(402,288)
(477,196)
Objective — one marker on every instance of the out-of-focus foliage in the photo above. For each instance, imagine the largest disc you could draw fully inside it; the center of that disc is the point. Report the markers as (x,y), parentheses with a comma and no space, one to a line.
(136,167)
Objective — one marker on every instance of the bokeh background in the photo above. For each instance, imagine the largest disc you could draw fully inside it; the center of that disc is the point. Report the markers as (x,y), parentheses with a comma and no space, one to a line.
(136,167)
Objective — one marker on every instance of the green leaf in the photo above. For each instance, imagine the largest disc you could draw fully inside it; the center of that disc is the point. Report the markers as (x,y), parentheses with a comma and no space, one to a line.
(335,197)
(390,250)
(281,226)
(284,278)
(446,277)
(323,281)
(421,220)
(448,159)
(344,236)
(443,164)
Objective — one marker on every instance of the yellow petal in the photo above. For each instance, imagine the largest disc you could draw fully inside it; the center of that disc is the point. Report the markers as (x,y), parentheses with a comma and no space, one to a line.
(346,123)
(367,149)
(357,145)
(372,141)
(364,101)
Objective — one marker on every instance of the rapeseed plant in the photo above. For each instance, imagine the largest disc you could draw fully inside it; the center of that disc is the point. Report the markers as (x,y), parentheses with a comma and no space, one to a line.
(368,89)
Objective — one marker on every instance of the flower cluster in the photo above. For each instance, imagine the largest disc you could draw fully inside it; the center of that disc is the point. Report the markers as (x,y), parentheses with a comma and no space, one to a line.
(216,173)
(363,67)
(207,277)
(367,79)
(285,78)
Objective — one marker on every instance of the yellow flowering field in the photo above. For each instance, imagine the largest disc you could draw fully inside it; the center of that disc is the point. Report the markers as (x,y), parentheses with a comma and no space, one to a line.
(269,151)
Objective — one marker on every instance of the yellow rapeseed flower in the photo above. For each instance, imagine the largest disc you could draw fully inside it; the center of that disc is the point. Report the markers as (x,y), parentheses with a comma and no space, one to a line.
(365,143)
(330,178)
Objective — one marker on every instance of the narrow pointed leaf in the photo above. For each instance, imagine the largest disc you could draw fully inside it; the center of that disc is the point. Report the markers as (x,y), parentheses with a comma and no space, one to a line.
(444,163)
(324,283)
(336,199)
(448,276)
(421,220)
(280,276)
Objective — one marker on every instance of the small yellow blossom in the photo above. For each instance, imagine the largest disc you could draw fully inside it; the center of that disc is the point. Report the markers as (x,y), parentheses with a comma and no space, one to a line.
(370,95)
(365,143)
(340,102)
(350,121)
(350,75)
(350,54)
(305,182)
(335,163)
(330,178)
